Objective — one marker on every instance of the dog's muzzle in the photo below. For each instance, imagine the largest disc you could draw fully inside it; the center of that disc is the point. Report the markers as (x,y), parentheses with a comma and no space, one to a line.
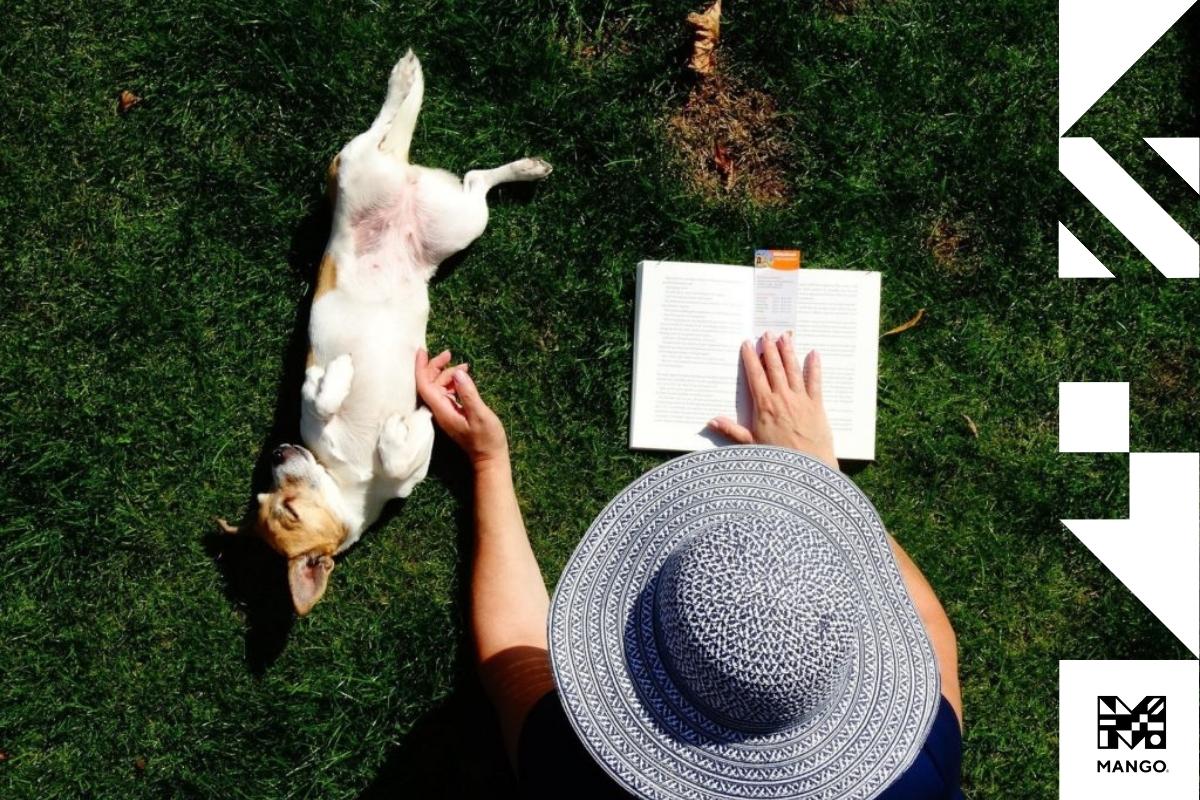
(286,452)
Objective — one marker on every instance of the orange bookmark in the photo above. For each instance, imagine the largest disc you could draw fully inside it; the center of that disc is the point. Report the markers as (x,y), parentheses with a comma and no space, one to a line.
(777,259)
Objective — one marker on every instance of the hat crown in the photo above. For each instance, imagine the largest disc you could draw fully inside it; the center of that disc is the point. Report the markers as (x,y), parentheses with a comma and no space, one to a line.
(757,621)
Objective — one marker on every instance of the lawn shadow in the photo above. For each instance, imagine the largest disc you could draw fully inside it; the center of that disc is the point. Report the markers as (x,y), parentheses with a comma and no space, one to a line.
(454,750)
(255,576)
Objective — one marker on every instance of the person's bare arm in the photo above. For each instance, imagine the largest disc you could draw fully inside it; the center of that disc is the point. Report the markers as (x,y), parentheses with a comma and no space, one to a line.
(509,602)
(937,625)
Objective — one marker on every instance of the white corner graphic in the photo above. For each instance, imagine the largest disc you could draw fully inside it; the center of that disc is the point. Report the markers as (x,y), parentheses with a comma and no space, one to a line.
(1156,551)
(1183,154)
(1098,41)
(1075,260)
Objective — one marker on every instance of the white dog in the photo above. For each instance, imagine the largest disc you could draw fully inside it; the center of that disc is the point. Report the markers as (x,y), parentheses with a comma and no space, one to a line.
(367,439)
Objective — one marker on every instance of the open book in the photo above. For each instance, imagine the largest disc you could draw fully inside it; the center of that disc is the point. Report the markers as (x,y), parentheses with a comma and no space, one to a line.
(691,321)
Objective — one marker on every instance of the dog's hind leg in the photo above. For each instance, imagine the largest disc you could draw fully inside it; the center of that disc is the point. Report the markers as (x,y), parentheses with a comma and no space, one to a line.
(526,169)
(406,88)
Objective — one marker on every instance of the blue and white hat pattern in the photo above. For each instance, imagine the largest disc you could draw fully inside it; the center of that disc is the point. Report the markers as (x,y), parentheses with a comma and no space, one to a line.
(733,625)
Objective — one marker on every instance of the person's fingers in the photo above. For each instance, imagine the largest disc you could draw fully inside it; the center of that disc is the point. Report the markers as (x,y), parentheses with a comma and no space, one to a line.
(447,375)
(468,394)
(772,363)
(812,375)
(428,368)
(756,379)
(423,373)
(731,430)
(445,413)
(791,366)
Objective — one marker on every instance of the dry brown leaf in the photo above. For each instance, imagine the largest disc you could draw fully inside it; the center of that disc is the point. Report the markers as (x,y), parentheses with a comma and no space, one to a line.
(723,161)
(139,763)
(706,30)
(912,323)
(3,756)
(971,426)
(126,100)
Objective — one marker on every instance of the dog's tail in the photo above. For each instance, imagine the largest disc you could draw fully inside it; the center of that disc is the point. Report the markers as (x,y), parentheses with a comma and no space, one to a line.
(406,89)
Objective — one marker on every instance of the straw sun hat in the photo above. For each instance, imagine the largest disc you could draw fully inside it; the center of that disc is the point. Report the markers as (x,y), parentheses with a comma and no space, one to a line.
(734,625)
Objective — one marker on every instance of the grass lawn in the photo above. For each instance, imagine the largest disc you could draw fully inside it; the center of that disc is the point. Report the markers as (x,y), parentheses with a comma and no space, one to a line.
(155,267)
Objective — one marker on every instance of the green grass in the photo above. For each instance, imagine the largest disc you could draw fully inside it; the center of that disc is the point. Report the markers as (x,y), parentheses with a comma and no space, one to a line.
(154,267)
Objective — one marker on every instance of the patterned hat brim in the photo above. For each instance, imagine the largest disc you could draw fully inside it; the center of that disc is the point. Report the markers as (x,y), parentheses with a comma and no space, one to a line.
(620,698)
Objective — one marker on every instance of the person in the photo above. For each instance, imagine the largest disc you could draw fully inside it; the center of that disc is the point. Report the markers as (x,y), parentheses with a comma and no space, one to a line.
(549,747)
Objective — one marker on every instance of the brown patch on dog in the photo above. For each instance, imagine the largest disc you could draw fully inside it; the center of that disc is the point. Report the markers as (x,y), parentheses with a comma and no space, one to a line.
(294,520)
(331,175)
(326,281)
(732,142)
(326,276)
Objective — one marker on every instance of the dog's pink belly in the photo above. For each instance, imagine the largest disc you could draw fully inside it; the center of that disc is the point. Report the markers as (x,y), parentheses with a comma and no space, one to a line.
(387,233)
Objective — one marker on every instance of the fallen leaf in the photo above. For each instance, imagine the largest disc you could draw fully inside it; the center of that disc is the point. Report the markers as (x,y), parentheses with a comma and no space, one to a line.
(723,161)
(912,323)
(139,763)
(706,29)
(126,100)
(3,756)
(971,426)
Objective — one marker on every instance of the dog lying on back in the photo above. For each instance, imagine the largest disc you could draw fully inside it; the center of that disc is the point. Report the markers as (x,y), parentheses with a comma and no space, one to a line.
(367,441)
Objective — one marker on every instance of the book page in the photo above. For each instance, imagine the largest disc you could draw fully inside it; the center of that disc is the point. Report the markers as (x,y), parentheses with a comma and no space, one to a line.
(691,321)
(837,314)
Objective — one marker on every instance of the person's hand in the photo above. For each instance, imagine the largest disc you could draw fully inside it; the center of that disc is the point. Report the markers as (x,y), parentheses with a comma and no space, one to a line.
(788,408)
(458,409)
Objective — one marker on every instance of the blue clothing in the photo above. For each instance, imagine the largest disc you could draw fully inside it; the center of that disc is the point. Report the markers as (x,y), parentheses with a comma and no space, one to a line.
(551,758)
(935,772)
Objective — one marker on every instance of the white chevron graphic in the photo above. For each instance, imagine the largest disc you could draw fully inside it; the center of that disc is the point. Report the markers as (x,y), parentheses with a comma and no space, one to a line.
(1183,154)
(1134,213)
(1156,551)
(1075,260)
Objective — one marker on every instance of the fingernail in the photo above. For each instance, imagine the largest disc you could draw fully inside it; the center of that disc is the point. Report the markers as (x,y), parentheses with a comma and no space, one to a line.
(462,377)
(714,423)
(748,343)
(768,336)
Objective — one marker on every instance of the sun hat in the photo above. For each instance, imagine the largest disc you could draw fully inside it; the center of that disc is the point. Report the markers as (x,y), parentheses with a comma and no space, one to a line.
(733,624)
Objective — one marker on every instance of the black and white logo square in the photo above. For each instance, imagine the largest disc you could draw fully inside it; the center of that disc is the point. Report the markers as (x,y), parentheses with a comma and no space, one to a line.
(1143,725)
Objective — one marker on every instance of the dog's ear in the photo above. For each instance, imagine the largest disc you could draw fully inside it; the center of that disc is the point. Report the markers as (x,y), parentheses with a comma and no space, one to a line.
(308,576)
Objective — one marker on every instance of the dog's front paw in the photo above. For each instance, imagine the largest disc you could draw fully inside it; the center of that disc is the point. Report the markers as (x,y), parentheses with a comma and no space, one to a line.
(335,386)
(325,389)
(534,169)
(312,385)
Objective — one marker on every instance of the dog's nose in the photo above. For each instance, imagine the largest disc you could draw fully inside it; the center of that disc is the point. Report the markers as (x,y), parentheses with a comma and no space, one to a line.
(279,454)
